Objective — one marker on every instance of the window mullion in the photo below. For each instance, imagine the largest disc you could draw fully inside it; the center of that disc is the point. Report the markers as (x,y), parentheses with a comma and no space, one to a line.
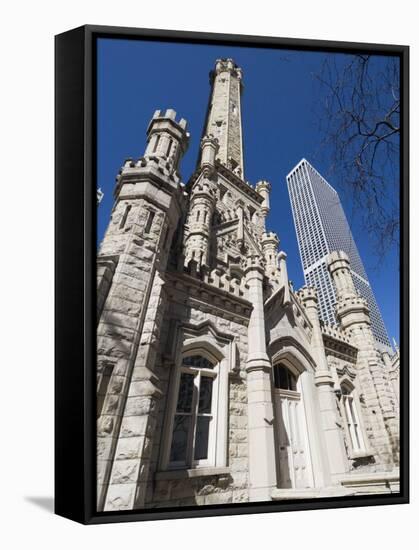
(194,416)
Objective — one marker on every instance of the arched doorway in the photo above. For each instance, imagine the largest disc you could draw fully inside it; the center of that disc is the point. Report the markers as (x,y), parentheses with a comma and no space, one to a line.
(295,469)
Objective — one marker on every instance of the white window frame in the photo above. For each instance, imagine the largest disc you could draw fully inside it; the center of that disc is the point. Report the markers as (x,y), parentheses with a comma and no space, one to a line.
(217,441)
(348,403)
(198,373)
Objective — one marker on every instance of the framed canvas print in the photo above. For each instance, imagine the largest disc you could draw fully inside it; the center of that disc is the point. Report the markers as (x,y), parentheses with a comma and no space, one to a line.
(231,274)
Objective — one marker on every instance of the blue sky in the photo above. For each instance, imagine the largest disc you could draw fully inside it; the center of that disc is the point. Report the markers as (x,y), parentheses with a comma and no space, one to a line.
(279,128)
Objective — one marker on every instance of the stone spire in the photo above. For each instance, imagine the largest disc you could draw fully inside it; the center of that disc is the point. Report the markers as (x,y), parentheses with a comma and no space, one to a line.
(224,114)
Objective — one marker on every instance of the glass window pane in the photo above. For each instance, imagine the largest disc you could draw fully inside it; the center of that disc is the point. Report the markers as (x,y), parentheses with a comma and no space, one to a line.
(205,395)
(284,379)
(201,437)
(186,385)
(181,428)
(292,382)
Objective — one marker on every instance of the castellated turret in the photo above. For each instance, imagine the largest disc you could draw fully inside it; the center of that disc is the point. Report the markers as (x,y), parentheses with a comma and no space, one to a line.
(270,244)
(167,142)
(308,296)
(167,138)
(351,308)
(209,149)
(201,209)
(263,187)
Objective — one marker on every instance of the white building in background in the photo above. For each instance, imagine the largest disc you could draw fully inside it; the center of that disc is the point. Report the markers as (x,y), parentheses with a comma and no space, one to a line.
(322,227)
(216,382)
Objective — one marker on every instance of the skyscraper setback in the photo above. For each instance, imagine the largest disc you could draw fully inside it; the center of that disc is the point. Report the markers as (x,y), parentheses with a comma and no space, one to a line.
(321,227)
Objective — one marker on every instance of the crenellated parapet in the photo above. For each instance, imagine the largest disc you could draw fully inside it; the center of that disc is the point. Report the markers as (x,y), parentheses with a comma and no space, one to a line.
(254,262)
(336,332)
(307,294)
(229,283)
(352,310)
(167,137)
(227,65)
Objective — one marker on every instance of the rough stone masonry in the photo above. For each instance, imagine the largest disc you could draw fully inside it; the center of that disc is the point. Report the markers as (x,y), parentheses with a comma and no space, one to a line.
(216,381)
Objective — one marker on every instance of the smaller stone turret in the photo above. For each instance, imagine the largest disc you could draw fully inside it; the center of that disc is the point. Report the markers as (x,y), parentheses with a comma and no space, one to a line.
(167,138)
(202,203)
(351,308)
(270,244)
(263,188)
(209,149)
(167,141)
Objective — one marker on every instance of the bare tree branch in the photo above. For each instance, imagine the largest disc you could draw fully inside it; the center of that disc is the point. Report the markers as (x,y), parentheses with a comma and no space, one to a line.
(359,120)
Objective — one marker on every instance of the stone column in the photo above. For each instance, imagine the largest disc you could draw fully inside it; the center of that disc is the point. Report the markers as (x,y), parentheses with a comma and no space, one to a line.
(262,470)
(332,434)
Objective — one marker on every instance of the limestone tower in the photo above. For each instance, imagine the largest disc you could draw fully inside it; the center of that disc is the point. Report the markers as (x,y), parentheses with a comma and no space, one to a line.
(216,382)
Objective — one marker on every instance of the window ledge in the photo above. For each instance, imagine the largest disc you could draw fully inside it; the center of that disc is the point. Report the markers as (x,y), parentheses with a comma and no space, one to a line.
(192,472)
(360,454)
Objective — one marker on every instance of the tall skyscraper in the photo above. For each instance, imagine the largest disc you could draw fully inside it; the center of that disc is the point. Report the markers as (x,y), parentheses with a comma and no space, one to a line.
(322,227)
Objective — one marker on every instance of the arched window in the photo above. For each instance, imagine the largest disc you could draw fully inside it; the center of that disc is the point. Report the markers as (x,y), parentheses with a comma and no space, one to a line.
(350,413)
(194,419)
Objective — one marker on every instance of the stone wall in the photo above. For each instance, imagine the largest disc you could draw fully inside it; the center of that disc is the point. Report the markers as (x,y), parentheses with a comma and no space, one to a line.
(120,328)
(231,483)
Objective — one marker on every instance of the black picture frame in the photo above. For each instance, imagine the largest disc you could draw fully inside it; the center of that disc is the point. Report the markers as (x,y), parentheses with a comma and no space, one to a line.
(75,284)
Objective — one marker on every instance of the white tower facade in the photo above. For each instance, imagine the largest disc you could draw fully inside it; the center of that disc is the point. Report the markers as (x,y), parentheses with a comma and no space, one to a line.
(321,226)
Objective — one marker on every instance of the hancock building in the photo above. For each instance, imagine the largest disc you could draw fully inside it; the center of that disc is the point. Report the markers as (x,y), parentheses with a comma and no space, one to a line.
(217,383)
(322,227)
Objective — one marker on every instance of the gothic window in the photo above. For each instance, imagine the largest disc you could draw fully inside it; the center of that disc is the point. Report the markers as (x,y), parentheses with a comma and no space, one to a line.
(194,419)
(125,216)
(156,143)
(351,417)
(149,223)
